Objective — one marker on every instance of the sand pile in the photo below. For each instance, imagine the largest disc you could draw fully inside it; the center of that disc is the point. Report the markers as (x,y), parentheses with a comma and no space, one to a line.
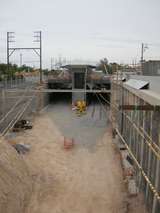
(15,180)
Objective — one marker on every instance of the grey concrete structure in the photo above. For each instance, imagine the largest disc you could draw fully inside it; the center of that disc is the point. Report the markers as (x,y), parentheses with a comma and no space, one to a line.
(80,80)
(151,68)
(135,117)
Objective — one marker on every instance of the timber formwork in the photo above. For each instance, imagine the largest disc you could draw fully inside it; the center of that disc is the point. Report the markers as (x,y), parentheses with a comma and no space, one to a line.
(137,124)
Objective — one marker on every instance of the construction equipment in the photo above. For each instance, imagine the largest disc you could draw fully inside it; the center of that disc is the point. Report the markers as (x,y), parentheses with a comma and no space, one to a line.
(81,107)
(22,124)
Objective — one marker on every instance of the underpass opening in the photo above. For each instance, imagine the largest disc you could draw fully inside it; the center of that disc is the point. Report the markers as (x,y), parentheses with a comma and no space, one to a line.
(103,98)
(67,98)
(60,97)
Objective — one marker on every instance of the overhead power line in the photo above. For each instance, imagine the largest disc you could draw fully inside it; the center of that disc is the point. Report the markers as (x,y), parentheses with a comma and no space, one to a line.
(37,50)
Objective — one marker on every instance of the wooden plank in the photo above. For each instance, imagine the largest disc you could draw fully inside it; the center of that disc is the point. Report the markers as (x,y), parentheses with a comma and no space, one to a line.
(139,107)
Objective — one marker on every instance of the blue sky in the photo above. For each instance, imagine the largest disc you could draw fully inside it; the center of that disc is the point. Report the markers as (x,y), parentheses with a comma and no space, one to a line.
(86,30)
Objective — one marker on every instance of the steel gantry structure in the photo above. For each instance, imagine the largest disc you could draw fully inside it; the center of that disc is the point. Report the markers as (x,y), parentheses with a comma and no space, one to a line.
(37,50)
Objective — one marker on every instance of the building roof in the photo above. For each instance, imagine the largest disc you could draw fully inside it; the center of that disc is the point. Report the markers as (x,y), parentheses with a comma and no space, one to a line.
(151,95)
(78,66)
(154,81)
(152,61)
(137,84)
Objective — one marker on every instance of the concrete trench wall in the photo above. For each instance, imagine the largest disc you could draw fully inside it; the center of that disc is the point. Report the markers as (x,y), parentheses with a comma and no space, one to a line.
(139,129)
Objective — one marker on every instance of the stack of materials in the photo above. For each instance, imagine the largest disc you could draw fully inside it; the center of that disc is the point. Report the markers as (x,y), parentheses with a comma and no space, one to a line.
(22,148)
(127,163)
(22,124)
(19,147)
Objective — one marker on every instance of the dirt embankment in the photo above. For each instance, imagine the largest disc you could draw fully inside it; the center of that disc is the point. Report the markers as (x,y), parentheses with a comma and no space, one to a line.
(15,181)
(85,179)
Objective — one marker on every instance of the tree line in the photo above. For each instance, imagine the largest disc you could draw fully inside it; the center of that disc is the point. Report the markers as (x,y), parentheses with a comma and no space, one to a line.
(8,72)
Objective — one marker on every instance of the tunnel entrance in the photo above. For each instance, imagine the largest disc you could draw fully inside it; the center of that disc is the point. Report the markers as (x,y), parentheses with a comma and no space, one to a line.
(60,97)
(100,98)
(79,80)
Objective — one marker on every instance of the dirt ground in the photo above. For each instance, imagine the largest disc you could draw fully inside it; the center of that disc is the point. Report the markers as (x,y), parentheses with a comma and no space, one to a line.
(81,180)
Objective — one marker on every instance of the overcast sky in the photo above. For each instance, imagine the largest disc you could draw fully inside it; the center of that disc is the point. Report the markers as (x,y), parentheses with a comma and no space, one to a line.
(82,29)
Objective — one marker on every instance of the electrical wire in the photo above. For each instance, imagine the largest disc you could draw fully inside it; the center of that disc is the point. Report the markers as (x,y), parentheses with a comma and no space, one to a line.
(153,189)
(151,141)
(104,109)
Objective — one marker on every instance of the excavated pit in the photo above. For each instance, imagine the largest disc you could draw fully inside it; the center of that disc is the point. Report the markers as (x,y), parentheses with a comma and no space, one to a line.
(50,179)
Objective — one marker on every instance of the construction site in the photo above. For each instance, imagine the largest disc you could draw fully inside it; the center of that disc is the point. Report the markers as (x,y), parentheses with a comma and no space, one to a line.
(80,106)
(80,141)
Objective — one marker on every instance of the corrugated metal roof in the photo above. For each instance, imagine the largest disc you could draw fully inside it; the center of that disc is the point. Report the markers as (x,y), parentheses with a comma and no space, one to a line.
(151,95)
(154,81)
(137,84)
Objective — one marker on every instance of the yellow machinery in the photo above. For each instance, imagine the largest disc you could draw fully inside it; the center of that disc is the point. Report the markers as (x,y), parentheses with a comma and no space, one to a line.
(81,107)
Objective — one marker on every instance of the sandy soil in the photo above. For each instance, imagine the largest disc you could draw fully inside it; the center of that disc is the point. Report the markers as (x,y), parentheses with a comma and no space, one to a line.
(15,180)
(73,181)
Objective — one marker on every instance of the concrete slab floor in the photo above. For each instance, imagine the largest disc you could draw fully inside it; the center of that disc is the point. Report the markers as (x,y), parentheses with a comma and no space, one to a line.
(87,129)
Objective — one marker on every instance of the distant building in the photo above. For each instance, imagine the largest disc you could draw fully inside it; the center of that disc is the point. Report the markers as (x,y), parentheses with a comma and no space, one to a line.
(151,68)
